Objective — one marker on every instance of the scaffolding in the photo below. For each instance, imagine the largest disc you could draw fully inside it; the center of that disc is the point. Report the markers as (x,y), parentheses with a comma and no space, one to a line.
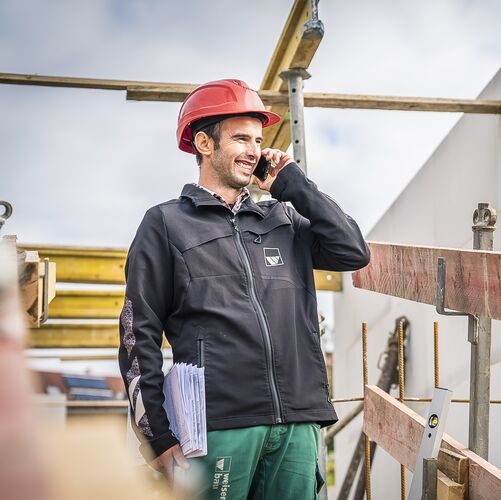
(282,91)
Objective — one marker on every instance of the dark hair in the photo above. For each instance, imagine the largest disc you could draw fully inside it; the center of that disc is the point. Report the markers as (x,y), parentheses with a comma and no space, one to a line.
(214,133)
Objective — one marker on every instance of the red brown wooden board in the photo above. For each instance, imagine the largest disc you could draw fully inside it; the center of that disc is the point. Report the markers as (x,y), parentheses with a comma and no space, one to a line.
(398,430)
(473,277)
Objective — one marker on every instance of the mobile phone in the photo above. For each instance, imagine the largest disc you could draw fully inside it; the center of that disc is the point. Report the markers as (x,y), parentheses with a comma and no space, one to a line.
(262,169)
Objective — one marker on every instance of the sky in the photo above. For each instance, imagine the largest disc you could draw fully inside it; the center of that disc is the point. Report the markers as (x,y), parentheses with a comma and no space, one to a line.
(82,166)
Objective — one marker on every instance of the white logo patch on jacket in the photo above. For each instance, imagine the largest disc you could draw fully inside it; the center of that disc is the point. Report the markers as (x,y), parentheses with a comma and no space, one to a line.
(272,257)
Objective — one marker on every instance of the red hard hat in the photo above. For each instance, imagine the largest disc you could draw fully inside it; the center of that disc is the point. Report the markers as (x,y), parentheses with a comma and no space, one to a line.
(221,97)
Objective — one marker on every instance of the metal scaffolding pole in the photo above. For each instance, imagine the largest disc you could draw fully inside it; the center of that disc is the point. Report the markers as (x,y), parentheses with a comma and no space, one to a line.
(484,220)
(295,78)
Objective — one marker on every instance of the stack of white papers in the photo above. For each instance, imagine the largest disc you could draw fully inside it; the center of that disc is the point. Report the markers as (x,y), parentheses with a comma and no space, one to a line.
(184,390)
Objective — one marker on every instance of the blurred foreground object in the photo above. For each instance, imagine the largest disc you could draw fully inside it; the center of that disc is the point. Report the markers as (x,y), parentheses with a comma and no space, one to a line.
(21,470)
(39,461)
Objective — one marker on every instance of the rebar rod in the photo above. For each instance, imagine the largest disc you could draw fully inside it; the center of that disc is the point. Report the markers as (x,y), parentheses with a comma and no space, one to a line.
(401,393)
(412,399)
(366,437)
(435,351)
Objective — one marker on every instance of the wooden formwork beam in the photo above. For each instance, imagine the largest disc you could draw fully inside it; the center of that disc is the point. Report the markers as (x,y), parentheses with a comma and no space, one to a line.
(278,102)
(398,430)
(61,335)
(87,304)
(177,92)
(85,264)
(472,285)
(295,49)
(81,83)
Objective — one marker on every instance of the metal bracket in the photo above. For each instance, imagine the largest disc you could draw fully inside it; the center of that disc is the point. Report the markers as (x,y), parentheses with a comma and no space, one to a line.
(314,28)
(45,295)
(440,304)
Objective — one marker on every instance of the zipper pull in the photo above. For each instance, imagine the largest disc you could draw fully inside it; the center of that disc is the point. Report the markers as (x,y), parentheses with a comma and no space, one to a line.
(234,223)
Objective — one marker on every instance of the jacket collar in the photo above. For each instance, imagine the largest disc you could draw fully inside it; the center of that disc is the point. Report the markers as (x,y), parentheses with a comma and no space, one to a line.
(200,198)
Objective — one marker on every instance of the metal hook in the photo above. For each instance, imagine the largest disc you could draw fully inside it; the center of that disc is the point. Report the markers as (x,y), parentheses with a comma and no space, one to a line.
(6,214)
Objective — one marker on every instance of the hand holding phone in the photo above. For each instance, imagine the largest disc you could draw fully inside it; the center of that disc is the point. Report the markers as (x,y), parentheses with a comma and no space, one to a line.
(262,169)
(270,164)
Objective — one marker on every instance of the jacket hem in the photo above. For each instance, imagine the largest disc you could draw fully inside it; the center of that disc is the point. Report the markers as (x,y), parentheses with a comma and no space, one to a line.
(322,417)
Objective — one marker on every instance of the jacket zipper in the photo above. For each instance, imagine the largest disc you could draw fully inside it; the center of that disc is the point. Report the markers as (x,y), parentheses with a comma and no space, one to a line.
(261,318)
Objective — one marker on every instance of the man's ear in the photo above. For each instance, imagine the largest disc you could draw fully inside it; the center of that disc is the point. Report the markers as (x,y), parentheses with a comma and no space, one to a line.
(204,144)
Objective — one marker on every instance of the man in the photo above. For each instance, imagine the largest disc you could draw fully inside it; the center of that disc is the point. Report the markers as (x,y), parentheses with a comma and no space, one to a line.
(230,282)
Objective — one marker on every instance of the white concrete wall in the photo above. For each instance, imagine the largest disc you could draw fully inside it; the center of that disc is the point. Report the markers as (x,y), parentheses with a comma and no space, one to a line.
(435,209)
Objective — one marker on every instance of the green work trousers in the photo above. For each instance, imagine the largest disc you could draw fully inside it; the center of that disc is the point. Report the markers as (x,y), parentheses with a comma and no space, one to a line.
(268,462)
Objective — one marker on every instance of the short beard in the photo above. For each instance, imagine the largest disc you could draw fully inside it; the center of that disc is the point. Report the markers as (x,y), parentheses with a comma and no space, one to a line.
(225,176)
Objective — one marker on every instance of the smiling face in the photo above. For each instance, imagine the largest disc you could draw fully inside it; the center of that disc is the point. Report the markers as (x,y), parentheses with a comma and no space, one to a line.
(239,151)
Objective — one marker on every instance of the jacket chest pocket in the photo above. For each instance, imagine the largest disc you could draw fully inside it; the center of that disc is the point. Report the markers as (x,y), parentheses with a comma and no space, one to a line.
(211,253)
(271,244)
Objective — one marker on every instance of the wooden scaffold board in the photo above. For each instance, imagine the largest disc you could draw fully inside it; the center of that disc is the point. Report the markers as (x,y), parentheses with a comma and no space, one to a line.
(473,277)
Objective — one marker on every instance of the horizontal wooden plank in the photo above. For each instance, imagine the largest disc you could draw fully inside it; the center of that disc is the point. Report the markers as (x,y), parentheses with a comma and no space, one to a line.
(84,265)
(60,335)
(398,430)
(347,101)
(473,280)
(328,281)
(156,91)
(399,103)
(86,83)
(86,304)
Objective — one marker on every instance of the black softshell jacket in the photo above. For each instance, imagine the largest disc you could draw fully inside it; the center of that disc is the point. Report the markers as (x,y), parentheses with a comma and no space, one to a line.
(235,294)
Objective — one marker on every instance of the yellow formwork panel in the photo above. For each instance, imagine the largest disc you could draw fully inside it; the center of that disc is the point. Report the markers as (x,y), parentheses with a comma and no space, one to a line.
(86,304)
(74,335)
(84,265)
(59,335)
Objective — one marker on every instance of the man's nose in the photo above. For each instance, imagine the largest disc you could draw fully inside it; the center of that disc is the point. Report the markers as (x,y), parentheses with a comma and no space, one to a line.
(254,151)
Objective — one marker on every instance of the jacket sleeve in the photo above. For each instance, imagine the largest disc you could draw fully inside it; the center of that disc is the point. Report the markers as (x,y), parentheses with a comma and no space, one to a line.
(334,237)
(148,297)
